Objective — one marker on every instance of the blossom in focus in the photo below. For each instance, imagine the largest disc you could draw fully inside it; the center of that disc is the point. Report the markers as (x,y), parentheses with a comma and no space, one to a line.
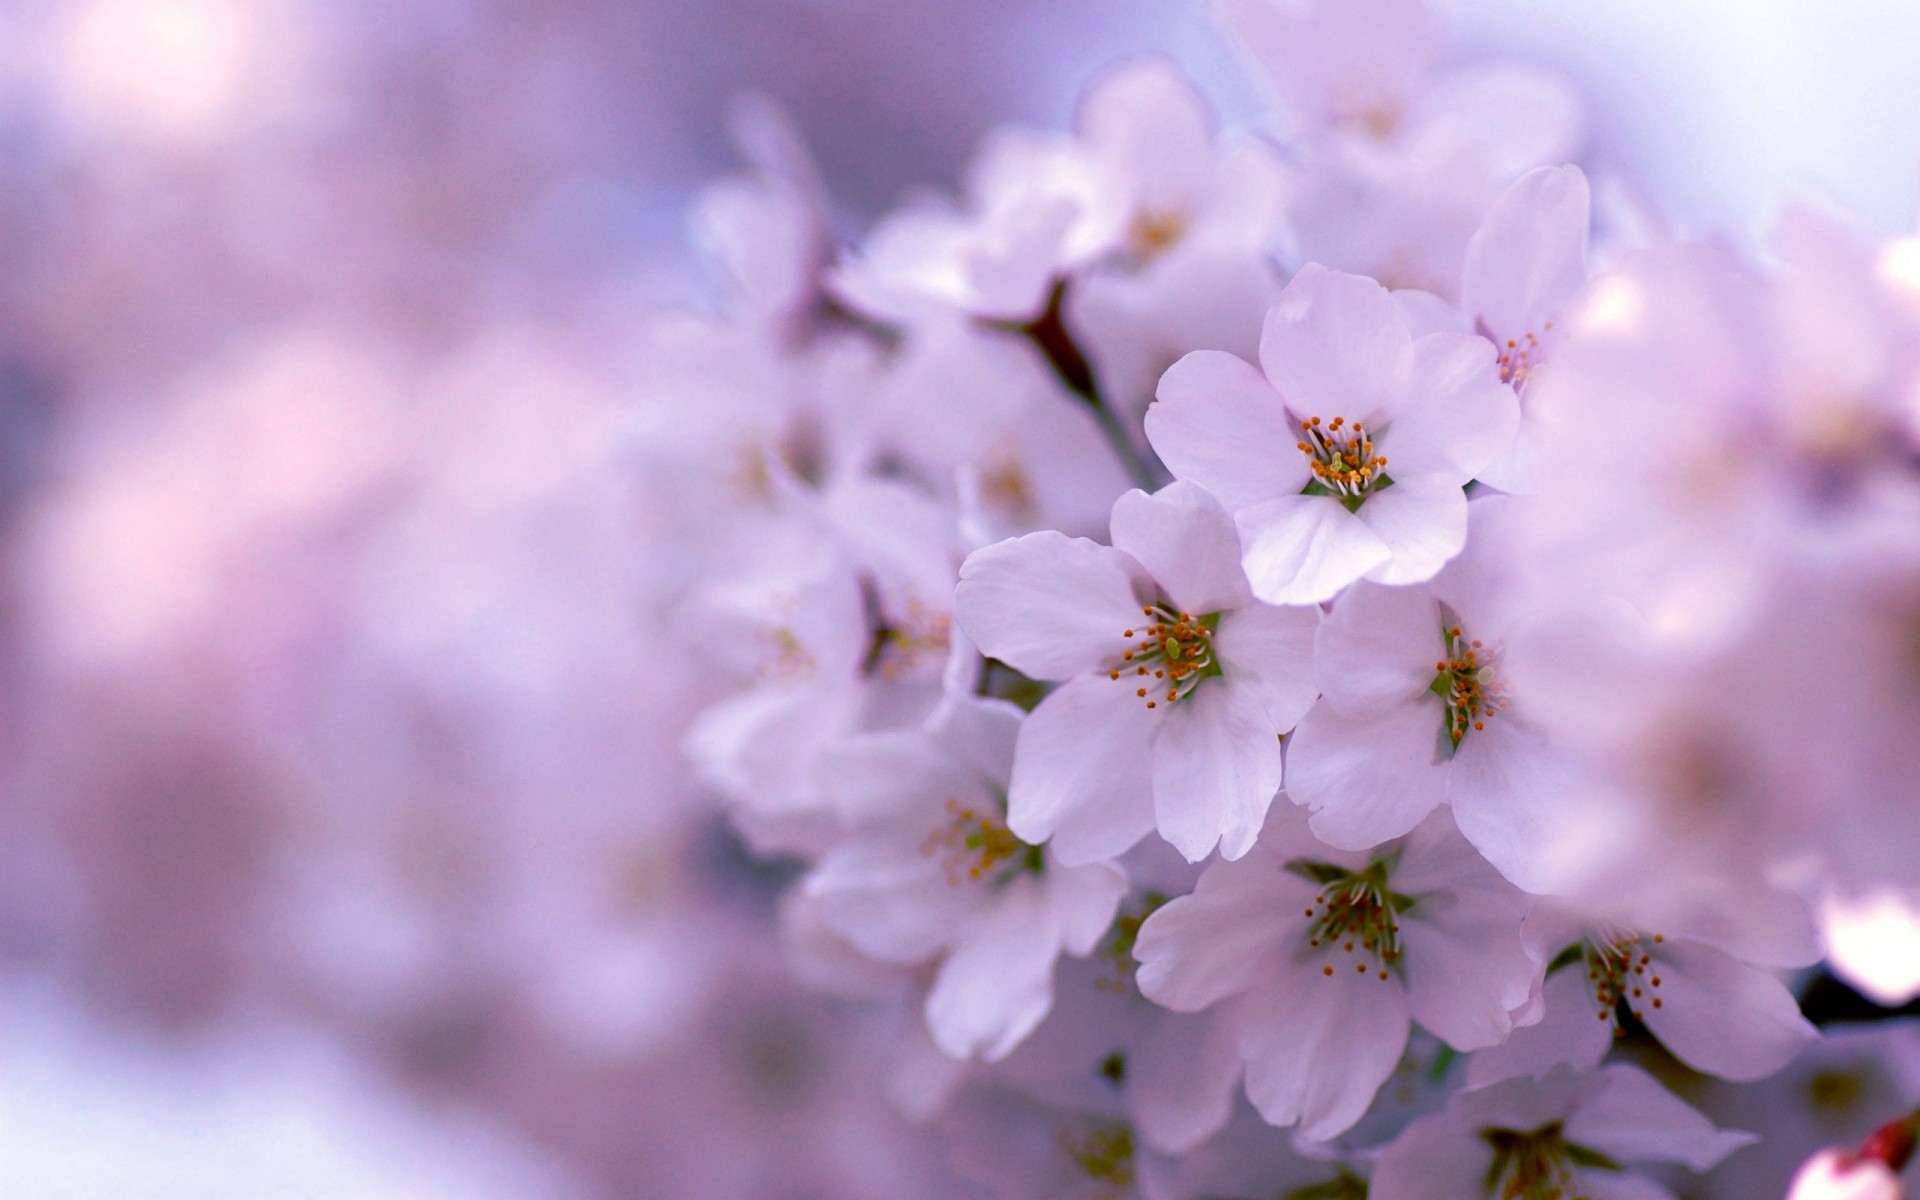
(1346,454)
(1322,959)
(1176,682)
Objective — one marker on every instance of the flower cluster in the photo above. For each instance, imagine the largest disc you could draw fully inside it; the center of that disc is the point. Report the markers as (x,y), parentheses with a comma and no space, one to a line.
(1308,665)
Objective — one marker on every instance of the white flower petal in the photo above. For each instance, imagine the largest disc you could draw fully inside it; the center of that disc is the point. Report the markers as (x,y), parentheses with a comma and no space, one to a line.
(1618,1185)
(1046,604)
(1720,1016)
(1270,649)
(1180,1081)
(1434,1157)
(1502,787)
(1145,117)
(1304,549)
(1082,771)
(1422,522)
(1217,422)
(888,899)
(1216,766)
(1529,256)
(1459,416)
(1084,901)
(997,985)
(1625,1115)
(1379,647)
(1318,1047)
(1334,346)
(1370,779)
(1187,542)
(1207,945)
(1572,1032)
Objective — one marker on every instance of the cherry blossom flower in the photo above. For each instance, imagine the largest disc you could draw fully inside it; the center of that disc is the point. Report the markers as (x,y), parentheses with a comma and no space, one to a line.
(1399,154)
(1563,1136)
(1176,683)
(931,872)
(1347,458)
(1715,1012)
(1421,929)
(1417,709)
(1192,268)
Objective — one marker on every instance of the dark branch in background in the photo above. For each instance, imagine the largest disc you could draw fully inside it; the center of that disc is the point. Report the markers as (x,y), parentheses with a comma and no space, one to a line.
(1049,333)
(1827,1001)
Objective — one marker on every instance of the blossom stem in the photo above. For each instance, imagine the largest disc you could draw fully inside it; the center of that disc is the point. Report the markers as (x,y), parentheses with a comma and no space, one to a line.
(1049,333)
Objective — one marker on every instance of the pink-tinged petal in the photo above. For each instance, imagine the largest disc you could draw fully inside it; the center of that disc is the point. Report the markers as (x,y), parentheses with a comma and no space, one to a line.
(1270,650)
(1318,57)
(888,899)
(1084,901)
(1618,1185)
(1180,1081)
(1506,788)
(1217,422)
(979,731)
(1426,313)
(1628,1117)
(870,776)
(1187,542)
(1380,647)
(1458,417)
(1435,1157)
(1049,605)
(1529,256)
(1522,115)
(1334,346)
(1082,771)
(1573,1032)
(997,985)
(1317,1047)
(1205,946)
(760,747)
(1422,522)
(1367,780)
(1216,766)
(1719,1015)
(1145,117)
(1467,967)
(1304,549)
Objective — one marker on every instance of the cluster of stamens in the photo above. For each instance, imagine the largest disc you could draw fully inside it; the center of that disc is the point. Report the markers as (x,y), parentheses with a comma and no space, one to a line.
(973,845)
(1174,652)
(924,635)
(1153,232)
(1466,683)
(1103,1154)
(1007,487)
(1341,456)
(1534,1165)
(1517,357)
(1356,912)
(1620,970)
(790,658)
